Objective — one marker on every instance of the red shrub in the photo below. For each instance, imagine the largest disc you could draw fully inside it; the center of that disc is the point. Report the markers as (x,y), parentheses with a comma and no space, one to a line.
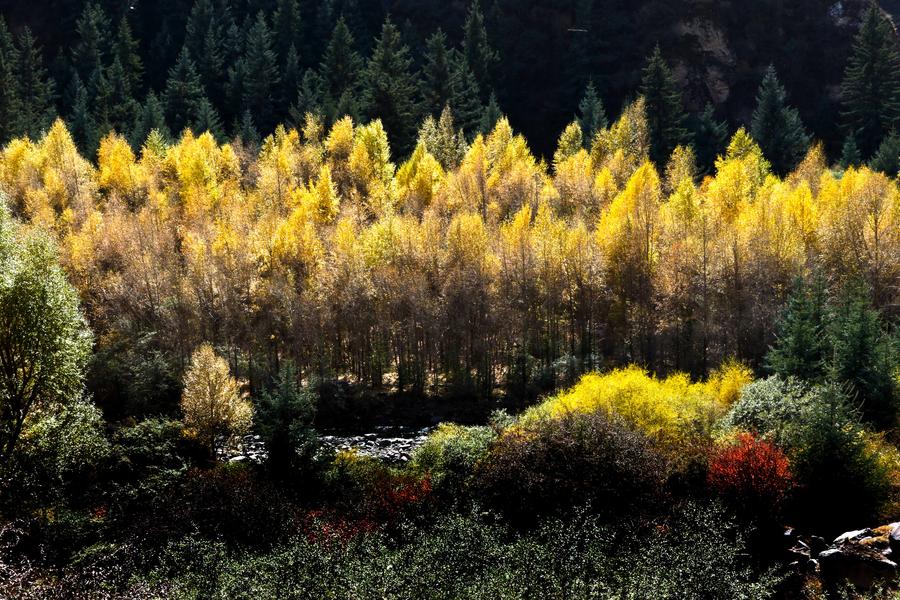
(752,474)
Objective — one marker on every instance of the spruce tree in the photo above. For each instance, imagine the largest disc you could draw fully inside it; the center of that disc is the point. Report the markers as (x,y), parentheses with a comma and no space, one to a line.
(260,74)
(442,140)
(850,156)
(464,98)
(287,26)
(665,112)
(341,75)
(81,122)
(246,130)
(391,88)
(870,92)
(114,100)
(9,100)
(591,115)
(436,74)
(92,47)
(211,65)
(801,349)
(35,88)
(308,97)
(710,137)
(887,159)
(864,356)
(184,93)
(126,51)
(479,54)
(491,115)
(151,118)
(776,127)
(290,81)
(207,120)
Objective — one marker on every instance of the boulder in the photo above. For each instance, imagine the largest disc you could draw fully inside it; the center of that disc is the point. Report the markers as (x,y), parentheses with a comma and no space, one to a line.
(856,564)
(851,536)
(894,539)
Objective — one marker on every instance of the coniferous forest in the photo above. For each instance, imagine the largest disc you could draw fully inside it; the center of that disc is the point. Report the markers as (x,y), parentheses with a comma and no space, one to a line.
(450,300)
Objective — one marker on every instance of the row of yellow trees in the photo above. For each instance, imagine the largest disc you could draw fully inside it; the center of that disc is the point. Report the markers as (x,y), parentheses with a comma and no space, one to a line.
(469,265)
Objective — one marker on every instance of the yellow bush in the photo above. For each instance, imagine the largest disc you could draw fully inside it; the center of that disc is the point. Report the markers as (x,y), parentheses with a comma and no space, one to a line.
(674,411)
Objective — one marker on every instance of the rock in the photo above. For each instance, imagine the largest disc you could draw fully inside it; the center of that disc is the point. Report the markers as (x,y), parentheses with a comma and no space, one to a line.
(237,459)
(851,536)
(861,566)
(894,539)
(817,545)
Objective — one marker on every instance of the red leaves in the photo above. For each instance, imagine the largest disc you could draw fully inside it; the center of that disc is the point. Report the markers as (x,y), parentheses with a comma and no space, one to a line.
(750,472)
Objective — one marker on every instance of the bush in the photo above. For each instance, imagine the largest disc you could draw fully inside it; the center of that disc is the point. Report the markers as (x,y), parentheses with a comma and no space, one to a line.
(575,459)
(771,407)
(751,475)
(449,456)
(675,413)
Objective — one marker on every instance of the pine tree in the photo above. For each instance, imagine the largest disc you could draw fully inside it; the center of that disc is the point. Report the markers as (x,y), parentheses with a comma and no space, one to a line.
(184,93)
(480,56)
(777,127)
(125,50)
(464,97)
(442,140)
(591,115)
(260,74)
(864,356)
(850,156)
(287,27)
(290,81)
(710,137)
(211,65)
(151,118)
(35,88)
(870,92)
(308,97)
(81,122)
(207,120)
(665,113)
(114,100)
(341,75)
(391,88)
(436,74)
(801,349)
(92,48)
(887,159)
(9,100)
(246,130)
(492,114)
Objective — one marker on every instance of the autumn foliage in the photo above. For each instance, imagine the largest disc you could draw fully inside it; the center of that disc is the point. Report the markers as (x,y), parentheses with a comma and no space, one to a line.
(751,472)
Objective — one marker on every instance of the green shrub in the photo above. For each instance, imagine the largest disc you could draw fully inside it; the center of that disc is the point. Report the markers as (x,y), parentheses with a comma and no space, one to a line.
(771,407)
(574,459)
(449,456)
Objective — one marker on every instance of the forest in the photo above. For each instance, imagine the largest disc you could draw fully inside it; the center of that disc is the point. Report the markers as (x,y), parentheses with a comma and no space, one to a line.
(639,309)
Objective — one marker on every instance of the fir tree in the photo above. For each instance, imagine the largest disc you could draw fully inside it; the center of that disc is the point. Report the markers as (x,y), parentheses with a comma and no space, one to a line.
(776,127)
(150,118)
(864,356)
(287,26)
(308,98)
(801,349)
(591,115)
(213,40)
(114,100)
(464,97)
(207,120)
(442,140)
(479,54)
(35,88)
(850,156)
(290,81)
(246,130)
(870,93)
(125,50)
(81,122)
(436,74)
(491,115)
(211,65)
(340,74)
(665,113)
(710,137)
(887,159)
(391,88)
(184,93)
(9,100)
(260,74)
(90,51)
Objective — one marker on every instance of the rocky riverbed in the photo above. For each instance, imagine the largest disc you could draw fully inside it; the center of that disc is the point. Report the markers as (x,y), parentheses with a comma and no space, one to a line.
(392,444)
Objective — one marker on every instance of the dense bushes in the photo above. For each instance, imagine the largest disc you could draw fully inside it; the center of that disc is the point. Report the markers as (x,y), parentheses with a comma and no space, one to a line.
(575,459)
